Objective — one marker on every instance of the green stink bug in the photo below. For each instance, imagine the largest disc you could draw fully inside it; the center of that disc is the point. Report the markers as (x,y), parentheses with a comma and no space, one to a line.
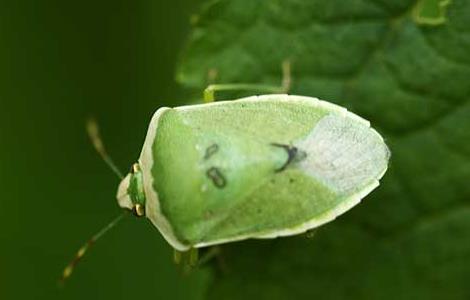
(257,167)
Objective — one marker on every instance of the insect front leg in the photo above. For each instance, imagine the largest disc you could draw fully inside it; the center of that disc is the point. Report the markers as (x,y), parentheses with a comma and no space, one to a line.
(209,92)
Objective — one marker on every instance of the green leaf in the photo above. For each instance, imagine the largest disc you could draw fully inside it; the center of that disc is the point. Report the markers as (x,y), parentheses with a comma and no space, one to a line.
(410,239)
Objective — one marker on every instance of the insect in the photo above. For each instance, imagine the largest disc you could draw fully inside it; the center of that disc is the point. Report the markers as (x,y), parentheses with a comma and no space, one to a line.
(258,167)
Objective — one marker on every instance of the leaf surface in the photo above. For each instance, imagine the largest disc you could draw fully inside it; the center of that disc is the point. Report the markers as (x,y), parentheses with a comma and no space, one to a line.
(409,239)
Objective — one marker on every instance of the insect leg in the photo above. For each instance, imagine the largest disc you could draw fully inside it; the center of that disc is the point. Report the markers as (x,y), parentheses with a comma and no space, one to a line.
(209,255)
(215,252)
(189,260)
(209,92)
(186,259)
(310,234)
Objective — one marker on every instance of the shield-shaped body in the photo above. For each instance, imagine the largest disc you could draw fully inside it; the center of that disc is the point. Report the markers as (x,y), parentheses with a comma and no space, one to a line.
(257,167)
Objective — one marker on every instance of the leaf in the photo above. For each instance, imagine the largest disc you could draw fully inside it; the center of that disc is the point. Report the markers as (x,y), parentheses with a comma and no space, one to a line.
(410,239)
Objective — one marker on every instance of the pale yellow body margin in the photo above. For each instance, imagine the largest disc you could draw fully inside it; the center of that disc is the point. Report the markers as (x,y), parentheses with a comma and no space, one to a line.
(152,204)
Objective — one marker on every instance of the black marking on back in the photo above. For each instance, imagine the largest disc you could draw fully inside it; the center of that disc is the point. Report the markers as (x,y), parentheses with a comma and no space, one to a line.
(217,177)
(293,154)
(211,150)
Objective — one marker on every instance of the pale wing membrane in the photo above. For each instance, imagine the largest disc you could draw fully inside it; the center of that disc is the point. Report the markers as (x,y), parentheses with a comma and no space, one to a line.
(344,155)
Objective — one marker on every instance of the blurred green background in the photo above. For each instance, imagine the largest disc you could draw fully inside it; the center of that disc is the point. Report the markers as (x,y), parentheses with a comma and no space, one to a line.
(60,62)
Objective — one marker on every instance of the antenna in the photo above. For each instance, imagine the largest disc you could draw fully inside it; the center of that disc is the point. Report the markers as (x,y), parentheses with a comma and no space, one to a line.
(94,134)
(81,252)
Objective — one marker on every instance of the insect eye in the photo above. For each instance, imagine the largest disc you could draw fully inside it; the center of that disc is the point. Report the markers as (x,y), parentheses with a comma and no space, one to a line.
(138,210)
(135,168)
